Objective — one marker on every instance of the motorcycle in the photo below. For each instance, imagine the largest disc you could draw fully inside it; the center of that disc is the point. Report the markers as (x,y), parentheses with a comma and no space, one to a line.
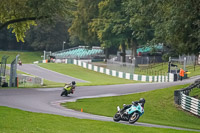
(131,114)
(20,63)
(67,90)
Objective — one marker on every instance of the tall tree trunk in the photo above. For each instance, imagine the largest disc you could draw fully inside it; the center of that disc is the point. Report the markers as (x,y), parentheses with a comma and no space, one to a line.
(196,61)
(107,54)
(133,50)
(123,52)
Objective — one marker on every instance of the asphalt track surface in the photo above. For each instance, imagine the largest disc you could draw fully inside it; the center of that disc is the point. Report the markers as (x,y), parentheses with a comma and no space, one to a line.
(47,100)
(47,74)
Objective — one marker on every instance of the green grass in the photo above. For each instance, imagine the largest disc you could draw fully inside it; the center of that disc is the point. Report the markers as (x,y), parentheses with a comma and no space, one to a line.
(195,93)
(48,84)
(157,69)
(152,69)
(26,57)
(159,107)
(18,121)
(94,78)
(192,71)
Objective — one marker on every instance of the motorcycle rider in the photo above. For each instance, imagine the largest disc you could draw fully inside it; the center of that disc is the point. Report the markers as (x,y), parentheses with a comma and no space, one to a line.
(141,101)
(70,87)
(20,62)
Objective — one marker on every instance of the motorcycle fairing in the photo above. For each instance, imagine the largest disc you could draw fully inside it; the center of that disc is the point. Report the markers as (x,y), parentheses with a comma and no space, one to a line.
(134,108)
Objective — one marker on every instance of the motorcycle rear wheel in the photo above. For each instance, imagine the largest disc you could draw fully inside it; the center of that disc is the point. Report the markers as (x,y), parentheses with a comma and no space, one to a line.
(117,117)
(134,117)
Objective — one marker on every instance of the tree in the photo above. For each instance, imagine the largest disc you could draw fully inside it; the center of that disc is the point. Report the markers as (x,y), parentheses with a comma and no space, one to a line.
(177,24)
(122,22)
(139,14)
(49,37)
(83,15)
(107,25)
(19,15)
(7,40)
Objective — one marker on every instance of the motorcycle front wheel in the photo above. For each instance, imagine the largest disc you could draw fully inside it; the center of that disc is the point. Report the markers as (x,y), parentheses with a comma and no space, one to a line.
(64,93)
(117,117)
(134,117)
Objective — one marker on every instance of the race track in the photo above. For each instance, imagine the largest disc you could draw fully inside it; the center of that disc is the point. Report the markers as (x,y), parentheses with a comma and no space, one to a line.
(47,74)
(47,100)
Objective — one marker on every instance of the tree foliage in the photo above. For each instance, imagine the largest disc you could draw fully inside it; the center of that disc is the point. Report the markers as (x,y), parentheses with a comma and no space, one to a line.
(177,24)
(122,22)
(110,22)
(19,15)
(105,24)
(86,11)
(49,37)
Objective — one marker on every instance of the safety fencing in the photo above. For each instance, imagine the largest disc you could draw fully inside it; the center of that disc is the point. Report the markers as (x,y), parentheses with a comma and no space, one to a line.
(159,78)
(24,80)
(182,98)
(27,80)
(124,75)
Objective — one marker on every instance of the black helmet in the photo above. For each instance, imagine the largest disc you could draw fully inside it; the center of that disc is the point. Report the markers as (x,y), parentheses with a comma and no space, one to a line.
(73,83)
(142,100)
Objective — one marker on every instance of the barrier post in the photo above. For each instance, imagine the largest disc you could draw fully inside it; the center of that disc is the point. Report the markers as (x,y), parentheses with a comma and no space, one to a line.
(177,96)
(17,82)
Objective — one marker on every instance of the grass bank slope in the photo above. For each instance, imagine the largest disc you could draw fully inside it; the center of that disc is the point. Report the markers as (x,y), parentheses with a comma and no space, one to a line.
(95,78)
(159,107)
(26,57)
(17,121)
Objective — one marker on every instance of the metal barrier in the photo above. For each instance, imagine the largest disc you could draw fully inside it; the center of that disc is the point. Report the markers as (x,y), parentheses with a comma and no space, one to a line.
(29,80)
(186,102)
(13,73)
(190,104)
(121,66)
(3,70)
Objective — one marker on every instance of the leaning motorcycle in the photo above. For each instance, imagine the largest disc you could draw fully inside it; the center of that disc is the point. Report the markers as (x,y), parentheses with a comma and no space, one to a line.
(132,114)
(67,90)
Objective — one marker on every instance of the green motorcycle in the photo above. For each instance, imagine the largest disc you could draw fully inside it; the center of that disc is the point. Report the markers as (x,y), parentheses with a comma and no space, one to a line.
(68,89)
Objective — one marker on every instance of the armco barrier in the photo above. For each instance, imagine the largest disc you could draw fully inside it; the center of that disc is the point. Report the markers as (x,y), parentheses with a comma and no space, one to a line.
(130,76)
(159,78)
(190,104)
(186,102)
(27,79)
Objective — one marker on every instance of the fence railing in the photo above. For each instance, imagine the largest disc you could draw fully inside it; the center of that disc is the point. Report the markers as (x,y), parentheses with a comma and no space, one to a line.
(84,63)
(27,80)
(182,98)
(190,104)
(121,66)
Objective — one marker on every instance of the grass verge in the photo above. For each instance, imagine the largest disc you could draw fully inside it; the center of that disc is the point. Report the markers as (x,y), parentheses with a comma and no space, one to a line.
(159,107)
(50,84)
(195,93)
(162,69)
(155,69)
(18,121)
(46,83)
(26,57)
(94,78)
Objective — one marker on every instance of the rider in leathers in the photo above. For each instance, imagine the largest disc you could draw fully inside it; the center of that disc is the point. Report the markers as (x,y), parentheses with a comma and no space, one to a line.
(141,101)
(70,87)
